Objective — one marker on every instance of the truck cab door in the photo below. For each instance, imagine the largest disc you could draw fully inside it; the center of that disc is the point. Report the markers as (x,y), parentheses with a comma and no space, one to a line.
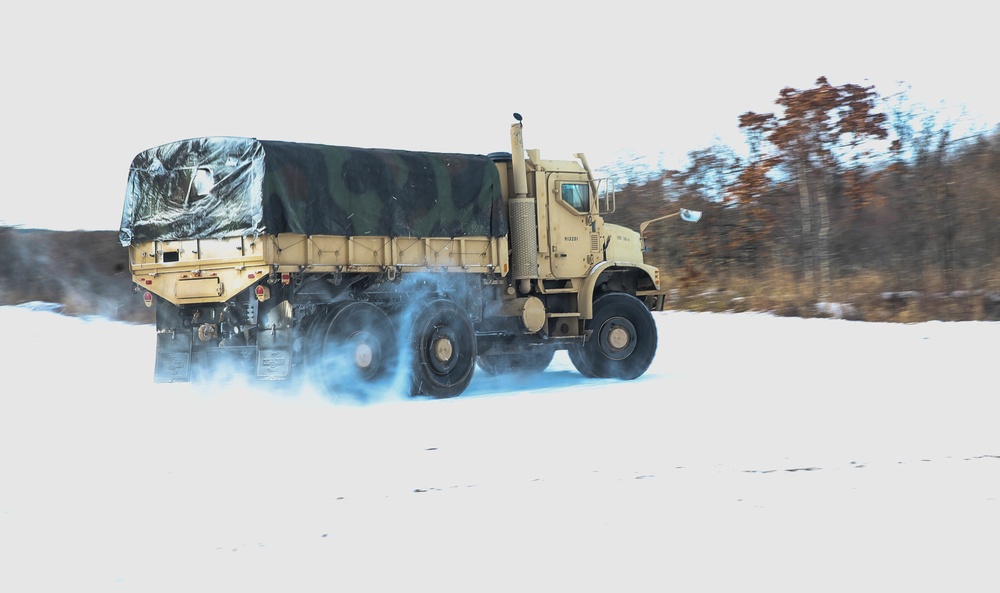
(573,238)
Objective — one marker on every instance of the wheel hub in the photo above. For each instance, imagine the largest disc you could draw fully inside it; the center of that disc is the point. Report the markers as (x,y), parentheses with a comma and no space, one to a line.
(443,349)
(363,355)
(618,338)
(366,353)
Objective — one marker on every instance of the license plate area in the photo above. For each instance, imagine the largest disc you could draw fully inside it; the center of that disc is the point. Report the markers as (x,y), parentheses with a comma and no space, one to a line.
(198,288)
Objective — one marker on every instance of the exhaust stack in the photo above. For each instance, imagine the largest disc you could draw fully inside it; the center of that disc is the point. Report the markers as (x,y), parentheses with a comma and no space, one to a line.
(523,217)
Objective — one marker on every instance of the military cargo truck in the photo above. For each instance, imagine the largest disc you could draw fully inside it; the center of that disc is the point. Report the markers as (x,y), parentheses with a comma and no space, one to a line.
(344,265)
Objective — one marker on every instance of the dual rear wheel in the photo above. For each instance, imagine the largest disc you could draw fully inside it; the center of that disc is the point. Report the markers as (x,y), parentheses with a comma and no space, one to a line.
(355,345)
(443,345)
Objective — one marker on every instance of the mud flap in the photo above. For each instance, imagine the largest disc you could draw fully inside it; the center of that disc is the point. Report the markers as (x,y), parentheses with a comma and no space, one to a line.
(274,354)
(173,357)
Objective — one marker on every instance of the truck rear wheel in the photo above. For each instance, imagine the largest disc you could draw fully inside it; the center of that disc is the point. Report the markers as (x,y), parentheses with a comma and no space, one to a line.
(622,342)
(356,345)
(444,350)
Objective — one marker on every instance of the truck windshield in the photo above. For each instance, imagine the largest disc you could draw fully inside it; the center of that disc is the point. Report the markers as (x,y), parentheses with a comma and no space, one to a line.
(576,195)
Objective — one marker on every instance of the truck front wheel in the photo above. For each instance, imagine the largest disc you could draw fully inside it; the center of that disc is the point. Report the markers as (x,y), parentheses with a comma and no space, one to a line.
(444,350)
(622,342)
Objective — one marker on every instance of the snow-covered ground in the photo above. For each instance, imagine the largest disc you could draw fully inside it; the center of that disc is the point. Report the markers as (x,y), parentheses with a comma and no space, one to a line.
(757,454)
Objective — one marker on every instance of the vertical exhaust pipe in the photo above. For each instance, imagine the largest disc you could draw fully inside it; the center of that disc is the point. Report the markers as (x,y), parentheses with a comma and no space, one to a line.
(523,217)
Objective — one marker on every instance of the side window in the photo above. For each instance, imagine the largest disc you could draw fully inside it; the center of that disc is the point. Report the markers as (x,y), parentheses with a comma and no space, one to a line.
(576,195)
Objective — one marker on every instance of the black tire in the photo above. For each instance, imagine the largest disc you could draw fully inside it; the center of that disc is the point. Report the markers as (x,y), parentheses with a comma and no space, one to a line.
(443,345)
(580,361)
(532,362)
(313,328)
(622,342)
(356,346)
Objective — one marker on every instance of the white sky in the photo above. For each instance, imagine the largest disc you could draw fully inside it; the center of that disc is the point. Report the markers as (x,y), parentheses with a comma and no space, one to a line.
(86,86)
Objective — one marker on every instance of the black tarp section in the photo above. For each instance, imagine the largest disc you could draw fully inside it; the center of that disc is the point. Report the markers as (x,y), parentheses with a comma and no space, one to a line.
(222,186)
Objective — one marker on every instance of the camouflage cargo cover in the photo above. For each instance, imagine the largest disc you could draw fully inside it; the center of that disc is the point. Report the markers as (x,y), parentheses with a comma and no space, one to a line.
(223,186)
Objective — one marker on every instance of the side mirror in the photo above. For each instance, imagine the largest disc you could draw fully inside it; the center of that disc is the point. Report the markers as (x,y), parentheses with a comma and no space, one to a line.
(690,215)
(684,213)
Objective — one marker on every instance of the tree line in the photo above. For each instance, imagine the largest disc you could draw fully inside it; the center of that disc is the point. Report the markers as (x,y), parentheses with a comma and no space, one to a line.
(837,184)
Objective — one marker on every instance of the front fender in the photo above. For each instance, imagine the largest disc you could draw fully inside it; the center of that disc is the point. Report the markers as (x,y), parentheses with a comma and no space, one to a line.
(586,295)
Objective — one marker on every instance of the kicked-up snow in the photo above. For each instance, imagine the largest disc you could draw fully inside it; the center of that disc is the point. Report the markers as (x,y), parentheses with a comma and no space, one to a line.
(757,454)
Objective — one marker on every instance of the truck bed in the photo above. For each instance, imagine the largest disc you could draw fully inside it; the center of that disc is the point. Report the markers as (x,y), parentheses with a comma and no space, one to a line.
(215,270)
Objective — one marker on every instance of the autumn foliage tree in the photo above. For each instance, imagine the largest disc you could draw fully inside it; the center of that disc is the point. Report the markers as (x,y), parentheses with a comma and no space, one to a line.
(817,143)
(833,200)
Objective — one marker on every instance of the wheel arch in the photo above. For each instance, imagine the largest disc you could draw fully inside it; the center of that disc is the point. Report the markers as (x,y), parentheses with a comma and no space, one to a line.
(631,275)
